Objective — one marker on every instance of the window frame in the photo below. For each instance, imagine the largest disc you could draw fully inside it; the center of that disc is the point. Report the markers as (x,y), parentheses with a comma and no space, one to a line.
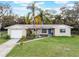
(44,30)
(62,30)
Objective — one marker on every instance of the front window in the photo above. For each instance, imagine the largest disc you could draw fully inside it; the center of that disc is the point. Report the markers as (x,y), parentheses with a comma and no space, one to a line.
(62,30)
(44,31)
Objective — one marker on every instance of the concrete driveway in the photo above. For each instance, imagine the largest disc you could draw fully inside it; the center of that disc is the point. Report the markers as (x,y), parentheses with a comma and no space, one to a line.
(6,47)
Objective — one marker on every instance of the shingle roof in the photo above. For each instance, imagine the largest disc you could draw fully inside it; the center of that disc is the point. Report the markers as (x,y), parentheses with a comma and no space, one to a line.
(22,26)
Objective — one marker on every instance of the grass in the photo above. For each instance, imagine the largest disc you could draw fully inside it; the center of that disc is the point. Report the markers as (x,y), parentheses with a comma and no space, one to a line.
(48,47)
(2,37)
(2,40)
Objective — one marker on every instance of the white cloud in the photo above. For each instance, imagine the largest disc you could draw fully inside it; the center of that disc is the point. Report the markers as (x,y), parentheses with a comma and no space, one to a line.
(23,10)
(58,10)
(39,0)
(53,10)
(61,1)
(25,4)
(22,1)
(39,4)
(19,8)
(71,5)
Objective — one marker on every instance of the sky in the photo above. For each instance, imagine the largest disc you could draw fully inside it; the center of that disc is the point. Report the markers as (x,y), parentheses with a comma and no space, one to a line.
(20,7)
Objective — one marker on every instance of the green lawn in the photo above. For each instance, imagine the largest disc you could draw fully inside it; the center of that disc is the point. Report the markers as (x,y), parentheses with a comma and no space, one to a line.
(3,37)
(2,40)
(50,46)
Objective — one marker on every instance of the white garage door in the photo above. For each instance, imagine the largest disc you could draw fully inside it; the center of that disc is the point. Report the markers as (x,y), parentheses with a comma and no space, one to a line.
(16,33)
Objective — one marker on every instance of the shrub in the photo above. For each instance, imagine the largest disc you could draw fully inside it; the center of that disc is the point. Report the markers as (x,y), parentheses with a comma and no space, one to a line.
(6,37)
(22,40)
(29,32)
(31,36)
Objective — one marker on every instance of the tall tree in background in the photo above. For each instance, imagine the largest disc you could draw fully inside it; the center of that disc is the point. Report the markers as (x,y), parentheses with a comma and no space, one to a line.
(70,14)
(5,9)
(28,19)
(21,20)
(32,7)
(41,15)
(6,17)
(45,16)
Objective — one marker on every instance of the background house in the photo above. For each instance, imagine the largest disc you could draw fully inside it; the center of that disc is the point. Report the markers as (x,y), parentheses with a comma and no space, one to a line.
(19,30)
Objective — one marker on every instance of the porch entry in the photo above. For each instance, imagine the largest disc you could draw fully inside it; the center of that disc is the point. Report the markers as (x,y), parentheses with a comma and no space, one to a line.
(50,32)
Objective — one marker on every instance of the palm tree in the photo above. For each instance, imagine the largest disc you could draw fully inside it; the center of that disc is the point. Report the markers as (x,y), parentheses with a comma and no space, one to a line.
(27,19)
(45,16)
(32,7)
(41,15)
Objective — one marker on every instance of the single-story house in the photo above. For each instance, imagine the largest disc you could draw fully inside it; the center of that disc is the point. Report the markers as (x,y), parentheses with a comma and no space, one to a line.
(19,30)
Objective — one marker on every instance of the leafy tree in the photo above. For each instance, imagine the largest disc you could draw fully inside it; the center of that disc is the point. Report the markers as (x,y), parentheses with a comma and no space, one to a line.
(6,17)
(5,9)
(42,18)
(8,20)
(27,19)
(70,15)
(21,20)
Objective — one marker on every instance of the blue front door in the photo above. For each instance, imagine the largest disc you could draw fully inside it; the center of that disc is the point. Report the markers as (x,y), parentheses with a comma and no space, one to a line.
(49,32)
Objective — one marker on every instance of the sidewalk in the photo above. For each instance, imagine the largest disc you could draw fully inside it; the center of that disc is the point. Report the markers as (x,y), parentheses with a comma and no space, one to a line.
(33,40)
(6,47)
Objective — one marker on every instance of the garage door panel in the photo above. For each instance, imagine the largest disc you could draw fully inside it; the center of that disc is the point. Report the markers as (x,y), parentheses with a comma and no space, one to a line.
(16,33)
